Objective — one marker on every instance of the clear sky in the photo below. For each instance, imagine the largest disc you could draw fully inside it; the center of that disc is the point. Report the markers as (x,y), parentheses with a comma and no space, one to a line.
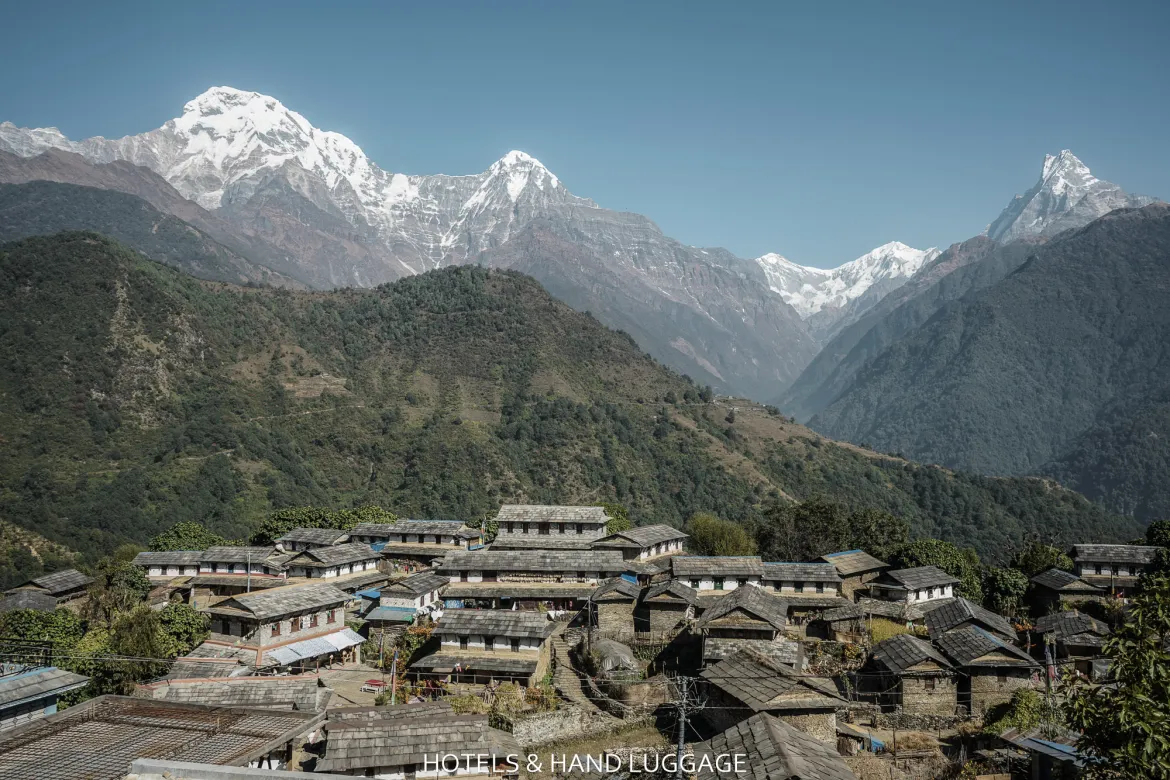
(816,130)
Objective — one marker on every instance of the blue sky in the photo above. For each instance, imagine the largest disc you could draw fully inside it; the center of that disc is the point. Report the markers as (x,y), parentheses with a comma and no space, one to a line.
(817,130)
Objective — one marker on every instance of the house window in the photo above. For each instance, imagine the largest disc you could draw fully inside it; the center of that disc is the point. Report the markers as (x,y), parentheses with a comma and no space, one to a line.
(331,616)
(463,576)
(1098,568)
(695,584)
(560,528)
(930,593)
(542,529)
(799,587)
(525,528)
(489,644)
(578,528)
(718,583)
(515,645)
(294,625)
(1001,677)
(511,527)
(820,587)
(276,628)
(313,621)
(928,683)
(462,643)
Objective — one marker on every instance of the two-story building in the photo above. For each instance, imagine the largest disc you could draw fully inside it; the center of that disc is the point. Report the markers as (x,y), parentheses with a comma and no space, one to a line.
(1053,590)
(559,580)
(914,586)
(537,527)
(226,571)
(167,565)
(643,543)
(300,539)
(802,579)
(908,673)
(717,574)
(857,569)
(413,544)
(401,602)
(337,561)
(748,618)
(482,646)
(1112,567)
(299,627)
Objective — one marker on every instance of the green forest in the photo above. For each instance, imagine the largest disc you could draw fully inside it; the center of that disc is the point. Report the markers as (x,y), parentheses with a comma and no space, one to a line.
(137,397)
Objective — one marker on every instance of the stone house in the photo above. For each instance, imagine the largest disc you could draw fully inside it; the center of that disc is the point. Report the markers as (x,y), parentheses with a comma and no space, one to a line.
(664,607)
(31,694)
(408,741)
(745,683)
(717,573)
(412,544)
(67,587)
(336,561)
(846,623)
(613,605)
(992,668)
(857,569)
(536,527)
(1077,639)
(558,580)
(301,539)
(226,571)
(295,626)
(644,542)
(914,586)
(165,566)
(1113,567)
(401,603)
(802,579)
(911,675)
(483,646)
(1053,590)
(772,750)
(959,613)
(747,618)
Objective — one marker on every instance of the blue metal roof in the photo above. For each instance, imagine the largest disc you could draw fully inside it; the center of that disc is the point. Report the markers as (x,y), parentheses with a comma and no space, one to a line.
(369,594)
(398,614)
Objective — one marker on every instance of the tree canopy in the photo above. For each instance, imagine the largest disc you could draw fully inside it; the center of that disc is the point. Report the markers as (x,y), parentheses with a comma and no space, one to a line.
(713,536)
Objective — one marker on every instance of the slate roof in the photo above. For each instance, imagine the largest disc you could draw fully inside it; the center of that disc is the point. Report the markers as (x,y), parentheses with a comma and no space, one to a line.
(749,598)
(958,611)
(301,693)
(336,555)
(1061,747)
(717,566)
(616,588)
(455,528)
(897,610)
(646,535)
(853,562)
(288,600)
(1069,623)
(920,577)
(536,513)
(507,541)
(504,662)
(62,581)
(519,590)
(1056,579)
(28,599)
(844,612)
(322,536)
(801,572)
(533,560)
(765,686)
(775,751)
(902,651)
(964,645)
(169,558)
(228,554)
(394,736)
(495,622)
(417,584)
(99,738)
(32,684)
(1114,553)
(782,651)
(672,589)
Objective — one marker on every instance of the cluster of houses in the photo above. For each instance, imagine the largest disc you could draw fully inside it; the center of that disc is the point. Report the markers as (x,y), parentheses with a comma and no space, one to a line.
(279,613)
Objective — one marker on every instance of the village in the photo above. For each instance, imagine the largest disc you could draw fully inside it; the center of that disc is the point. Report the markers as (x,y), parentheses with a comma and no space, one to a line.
(414,649)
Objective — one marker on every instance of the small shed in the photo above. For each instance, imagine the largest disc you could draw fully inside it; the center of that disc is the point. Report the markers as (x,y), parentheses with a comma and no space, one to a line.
(911,675)
(613,606)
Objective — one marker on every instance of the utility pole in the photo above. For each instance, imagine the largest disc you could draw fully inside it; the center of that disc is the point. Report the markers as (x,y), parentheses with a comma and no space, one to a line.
(394,678)
(682,723)
(249,565)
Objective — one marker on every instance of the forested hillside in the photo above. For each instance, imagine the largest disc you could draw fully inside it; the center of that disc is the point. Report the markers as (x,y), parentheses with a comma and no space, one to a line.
(135,396)
(1066,359)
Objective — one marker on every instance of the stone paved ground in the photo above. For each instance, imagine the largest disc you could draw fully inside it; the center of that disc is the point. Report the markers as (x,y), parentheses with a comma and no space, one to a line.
(346,681)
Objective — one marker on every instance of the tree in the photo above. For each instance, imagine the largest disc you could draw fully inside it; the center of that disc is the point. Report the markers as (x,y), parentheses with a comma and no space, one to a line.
(138,637)
(184,627)
(118,587)
(280,522)
(961,563)
(712,536)
(1125,721)
(1035,557)
(186,536)
(810,529)
(61,629)
(1004,590)
(619,518)
(1158,533)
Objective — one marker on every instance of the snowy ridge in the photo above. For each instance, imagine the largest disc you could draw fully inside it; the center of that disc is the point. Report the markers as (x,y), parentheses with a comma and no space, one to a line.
(811,290)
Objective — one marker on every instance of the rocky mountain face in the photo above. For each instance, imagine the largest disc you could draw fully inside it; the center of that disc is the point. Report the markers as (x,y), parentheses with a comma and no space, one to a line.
(330,217)
(1066,196)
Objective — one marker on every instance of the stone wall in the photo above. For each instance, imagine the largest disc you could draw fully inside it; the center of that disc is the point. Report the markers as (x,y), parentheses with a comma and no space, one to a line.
(819,724)
(659,619)
(919,698)
(914,721)
(568,722)
(987,690)
(615,618)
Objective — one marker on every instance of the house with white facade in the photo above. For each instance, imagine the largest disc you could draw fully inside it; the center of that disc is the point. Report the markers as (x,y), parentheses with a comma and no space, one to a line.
(540,527)
(299,539)
(914,586)
(643,543)
(1112,567)
(403,601)
(417,542)
(482,646)
(802,579)
(523,579)
(169,564)
(717,574)
(339,560)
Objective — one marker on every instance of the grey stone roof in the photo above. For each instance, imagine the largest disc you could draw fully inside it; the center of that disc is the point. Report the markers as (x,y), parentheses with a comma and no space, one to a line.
(519,590)
(394,736)
(902,651)
(536,513)
(289,600)
(616,588)
(1114,553)
(958,611)
(99,738)
(646,535)
(284,693)
(37,683)
(168,558)
(844,612)
(674,590)
(323,536)
(417,584)
(537,542)
(415,527)
(1069,623)
(919,577)
(63,581)
(228,554)
(166,769)
(775,751)
(764,685)
(1056,579)
(500,662)
(801,572)
(965,645)
(495,622)
(28,599)
(852,562)
(752,600)
(717,566)
(896,610)
(337,555)
(605,561)
(782,651)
